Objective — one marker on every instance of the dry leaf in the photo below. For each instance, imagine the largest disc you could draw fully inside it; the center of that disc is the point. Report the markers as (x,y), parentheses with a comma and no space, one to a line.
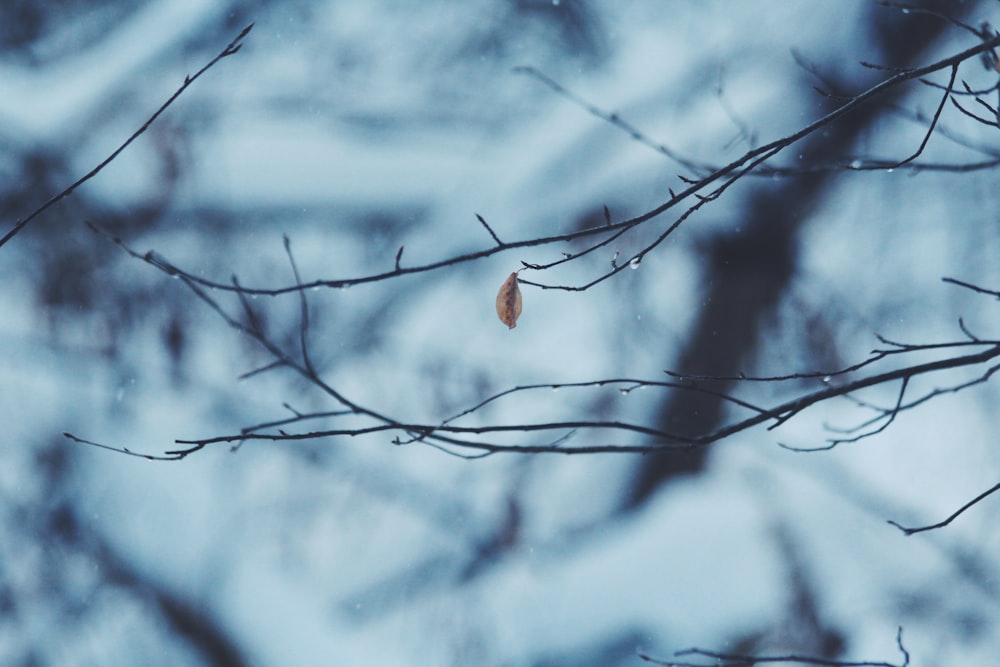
(509,301)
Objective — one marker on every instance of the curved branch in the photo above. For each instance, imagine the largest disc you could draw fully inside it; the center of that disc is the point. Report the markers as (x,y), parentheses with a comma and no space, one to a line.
(729,173)
(957,513)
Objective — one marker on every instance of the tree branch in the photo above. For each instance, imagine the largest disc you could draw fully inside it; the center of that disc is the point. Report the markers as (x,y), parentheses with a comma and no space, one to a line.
(729,173)
(230,49)
(744,660)
(941,524)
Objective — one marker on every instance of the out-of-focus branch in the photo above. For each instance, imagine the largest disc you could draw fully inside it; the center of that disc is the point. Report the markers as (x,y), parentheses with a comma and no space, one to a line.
(453,437)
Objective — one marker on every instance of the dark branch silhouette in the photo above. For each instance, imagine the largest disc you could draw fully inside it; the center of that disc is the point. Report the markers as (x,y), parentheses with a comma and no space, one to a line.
(900,372)
(457,436)
(697,189)
(452,437)
(742,660)
(954,515)
(231,48)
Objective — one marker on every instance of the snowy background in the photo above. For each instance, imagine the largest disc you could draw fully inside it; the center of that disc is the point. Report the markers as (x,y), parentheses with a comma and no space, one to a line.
(356,127)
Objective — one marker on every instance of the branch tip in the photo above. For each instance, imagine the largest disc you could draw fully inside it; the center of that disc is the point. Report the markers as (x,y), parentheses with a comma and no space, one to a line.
(489,229)
(188,80)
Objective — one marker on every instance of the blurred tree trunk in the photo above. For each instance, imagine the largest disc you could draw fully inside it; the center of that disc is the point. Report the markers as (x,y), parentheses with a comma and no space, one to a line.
(749,269)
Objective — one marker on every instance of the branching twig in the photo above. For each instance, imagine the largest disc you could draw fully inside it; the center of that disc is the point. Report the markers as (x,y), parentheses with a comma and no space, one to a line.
(696,189)
(633,382)
(170,456)
(876,355)
(614,119)
(230,49)
(464,439)
(934,122)
(978,119)
(745,660)
(447,433)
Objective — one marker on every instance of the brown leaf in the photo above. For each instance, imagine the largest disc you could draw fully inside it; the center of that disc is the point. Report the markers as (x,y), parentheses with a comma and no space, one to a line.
(509,301)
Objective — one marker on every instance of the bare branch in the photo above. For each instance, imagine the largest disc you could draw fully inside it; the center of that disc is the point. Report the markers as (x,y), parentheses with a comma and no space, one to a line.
(485,224)
(934,122)
(463,439)
(230,49)
(170,456)
(729,174)
(941,524)
(633,382)
(974,288)
(613,118)
(978,119)
(744,660)
(917,9)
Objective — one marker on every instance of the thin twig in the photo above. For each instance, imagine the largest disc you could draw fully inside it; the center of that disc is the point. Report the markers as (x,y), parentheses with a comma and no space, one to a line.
(746,660)
(954,515)
(730,173)
(125,450)
(230,49)
(974,288)
(304,318)
(490,230)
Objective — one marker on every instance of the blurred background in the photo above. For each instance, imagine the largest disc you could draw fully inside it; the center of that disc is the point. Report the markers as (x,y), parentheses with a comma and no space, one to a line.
(356,127)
